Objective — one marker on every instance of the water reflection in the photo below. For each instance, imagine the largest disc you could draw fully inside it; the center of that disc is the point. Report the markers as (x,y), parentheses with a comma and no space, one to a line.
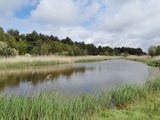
(12,78)
(74,78)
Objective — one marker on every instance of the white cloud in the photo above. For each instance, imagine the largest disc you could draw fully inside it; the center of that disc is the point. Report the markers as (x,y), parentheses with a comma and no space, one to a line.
(135,22)
(132,23)
(66,11)
(55,11)
(9,7)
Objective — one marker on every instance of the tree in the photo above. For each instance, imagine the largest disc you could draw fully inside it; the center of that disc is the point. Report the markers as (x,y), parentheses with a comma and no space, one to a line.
(152,51)
(22,47)
(45,49)
(31,40)
(12,52)
(14,33)
(56,47)
(11,41)
(92,50)
(2,35)
(158,50)
(67,41)
(3,48)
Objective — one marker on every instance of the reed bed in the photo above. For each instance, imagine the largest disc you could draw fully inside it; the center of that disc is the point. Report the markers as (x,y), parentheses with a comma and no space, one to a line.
(52,106)
(155,61)
(21,61)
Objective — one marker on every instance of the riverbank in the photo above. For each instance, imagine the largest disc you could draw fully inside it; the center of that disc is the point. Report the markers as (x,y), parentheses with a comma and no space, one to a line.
(155,61)
(22,61)
(127,102)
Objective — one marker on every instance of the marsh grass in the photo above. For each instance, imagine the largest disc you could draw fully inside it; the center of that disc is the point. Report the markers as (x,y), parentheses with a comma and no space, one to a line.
(152,61)
(53,106)
(88,60)
(22,61)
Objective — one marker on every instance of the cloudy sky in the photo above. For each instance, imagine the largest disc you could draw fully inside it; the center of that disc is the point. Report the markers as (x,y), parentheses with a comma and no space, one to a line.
(114,23)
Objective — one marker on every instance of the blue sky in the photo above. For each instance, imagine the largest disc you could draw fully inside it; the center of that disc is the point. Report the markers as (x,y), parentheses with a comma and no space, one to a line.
(116,23)
(24,12)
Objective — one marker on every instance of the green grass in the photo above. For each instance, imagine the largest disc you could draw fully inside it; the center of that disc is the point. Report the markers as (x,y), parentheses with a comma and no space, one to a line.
(144,109)
(89,60)
(127,102)
(33,63)
(22,61)
(151,62)
(134,103)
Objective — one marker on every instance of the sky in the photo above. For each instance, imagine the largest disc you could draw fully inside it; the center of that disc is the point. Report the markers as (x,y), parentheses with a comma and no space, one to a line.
(114,23)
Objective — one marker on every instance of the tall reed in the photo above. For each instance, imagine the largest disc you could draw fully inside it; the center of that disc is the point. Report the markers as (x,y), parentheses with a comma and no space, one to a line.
(53,106)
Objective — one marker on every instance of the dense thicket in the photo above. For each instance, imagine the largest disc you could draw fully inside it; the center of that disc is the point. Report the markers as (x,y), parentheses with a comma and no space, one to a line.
(13,43)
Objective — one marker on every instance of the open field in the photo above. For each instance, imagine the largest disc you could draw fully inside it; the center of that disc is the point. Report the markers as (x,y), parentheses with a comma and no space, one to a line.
(20,61)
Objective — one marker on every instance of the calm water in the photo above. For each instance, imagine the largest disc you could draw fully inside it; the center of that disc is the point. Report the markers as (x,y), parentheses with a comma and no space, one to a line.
(74,78)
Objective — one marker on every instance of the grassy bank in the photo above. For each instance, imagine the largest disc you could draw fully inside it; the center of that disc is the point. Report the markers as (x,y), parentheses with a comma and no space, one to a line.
(155,61)
(21,61)
(130,101)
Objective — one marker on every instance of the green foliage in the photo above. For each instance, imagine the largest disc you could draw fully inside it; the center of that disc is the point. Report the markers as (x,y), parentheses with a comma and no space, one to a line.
(45,48)
(152,51)
(22,47)
(67,41)
(39,44)
(14,33)
(158,50)
(3,48)
(11,41)
(12,52)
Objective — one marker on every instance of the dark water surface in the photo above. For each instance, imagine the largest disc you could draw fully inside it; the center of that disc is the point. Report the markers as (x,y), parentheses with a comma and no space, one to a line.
(74,78)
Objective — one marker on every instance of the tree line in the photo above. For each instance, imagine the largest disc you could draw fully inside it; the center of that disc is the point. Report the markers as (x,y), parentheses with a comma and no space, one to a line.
(13,43)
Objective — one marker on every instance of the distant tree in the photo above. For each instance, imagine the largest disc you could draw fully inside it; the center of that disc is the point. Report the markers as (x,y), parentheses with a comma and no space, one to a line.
(116,52)
(125,54)
(14,33)
(139,51)
(54,38)
(11,41)
(45,48)
(32,37)
(2,35)
(1,29)
(158,50)
(3,48)
(22,36)
(152,51)
(35,51)
(69,49)
(100,50)
(92,50)
(56,47)
(77,51)
(31,40)
(12,52)
(67,41)
(22,47)
(106,53)
(108,49)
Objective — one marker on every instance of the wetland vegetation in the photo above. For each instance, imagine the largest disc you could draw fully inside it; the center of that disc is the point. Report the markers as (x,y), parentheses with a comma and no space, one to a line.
(129,101)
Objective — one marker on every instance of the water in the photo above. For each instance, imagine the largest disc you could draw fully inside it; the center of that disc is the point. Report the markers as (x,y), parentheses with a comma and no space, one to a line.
(74,78)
